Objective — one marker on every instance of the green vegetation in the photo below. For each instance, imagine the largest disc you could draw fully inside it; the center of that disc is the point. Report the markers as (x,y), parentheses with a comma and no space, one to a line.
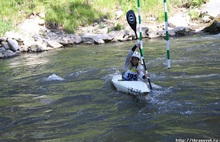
(196,3)
(13,12)
(5,25)
(70,14)
(194,14)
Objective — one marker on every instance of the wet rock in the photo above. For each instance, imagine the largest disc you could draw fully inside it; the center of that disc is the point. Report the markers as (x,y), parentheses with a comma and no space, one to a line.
(181,31)
(8,53)
(1,55)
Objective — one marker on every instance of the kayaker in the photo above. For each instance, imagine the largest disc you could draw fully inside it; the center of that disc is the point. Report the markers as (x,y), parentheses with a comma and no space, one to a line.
(133,70)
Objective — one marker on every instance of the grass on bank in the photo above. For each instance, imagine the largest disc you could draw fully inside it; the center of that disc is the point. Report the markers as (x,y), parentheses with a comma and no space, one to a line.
(70,14)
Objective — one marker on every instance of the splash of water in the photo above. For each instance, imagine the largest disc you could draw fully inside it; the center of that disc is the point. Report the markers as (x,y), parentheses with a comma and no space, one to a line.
(54,77)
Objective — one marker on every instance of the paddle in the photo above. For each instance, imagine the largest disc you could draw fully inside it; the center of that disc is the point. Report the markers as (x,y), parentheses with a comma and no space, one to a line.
(131,19)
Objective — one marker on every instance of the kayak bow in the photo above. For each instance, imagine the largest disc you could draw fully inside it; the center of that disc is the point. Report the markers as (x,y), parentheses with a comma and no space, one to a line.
(130,87)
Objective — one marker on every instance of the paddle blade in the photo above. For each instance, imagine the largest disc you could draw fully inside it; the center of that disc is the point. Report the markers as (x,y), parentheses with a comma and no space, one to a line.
(131,19)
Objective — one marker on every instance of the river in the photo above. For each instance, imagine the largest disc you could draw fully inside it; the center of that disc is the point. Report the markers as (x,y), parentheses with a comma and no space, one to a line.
(67,95)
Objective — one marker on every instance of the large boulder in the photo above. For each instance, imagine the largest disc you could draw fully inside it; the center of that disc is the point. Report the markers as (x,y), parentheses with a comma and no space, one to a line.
(13,45)
(179,20)
(214,28)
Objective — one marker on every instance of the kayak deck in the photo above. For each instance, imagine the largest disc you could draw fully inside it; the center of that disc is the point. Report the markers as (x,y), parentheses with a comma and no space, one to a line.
(130,87)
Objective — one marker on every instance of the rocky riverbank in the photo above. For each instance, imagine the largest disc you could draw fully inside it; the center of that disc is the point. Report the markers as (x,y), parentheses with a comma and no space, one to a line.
(34,36)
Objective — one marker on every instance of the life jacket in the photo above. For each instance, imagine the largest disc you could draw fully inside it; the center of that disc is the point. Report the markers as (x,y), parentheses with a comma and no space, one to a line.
(131,74)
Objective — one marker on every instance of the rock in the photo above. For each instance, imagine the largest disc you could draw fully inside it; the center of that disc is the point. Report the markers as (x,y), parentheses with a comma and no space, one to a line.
(27,43)
(145,31)
(41,22)
(98,41)
(31,25)
(2,39)
(9,53)
(78,39)
(35,48)
(129,34)
(102,30)
(1,55)
(2,49)
(25,48)
(105,37)
(5,45)
(13,45)
(96,38)
(64,41)
(39,47)
(214,28)
(54,44)
(153,34)
(14,35)
(179,20)
(212,7)
(89,38)
(118,35)
(206,19)
(182,31)
(42,15)
(118,14)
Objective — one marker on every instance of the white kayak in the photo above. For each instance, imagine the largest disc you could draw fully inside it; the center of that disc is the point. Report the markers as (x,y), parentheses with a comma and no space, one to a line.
(130,87)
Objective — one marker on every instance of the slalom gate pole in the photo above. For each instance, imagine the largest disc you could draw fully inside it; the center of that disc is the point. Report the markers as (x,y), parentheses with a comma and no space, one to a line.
(140,31)
(141,47)
(167,35)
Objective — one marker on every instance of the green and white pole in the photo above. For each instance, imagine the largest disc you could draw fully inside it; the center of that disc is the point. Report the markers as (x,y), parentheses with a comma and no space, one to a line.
(141,47)
(140,33)
(167,35)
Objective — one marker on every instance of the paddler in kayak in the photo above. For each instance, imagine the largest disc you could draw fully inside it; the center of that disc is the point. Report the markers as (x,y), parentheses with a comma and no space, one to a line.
(133,70)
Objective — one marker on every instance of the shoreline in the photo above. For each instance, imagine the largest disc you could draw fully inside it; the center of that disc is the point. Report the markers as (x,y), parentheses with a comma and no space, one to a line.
(34,36)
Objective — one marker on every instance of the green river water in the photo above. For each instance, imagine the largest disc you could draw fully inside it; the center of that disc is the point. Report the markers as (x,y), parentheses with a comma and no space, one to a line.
(67,94)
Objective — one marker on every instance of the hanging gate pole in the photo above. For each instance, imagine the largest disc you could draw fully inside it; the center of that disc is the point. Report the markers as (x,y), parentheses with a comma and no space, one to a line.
(167,35)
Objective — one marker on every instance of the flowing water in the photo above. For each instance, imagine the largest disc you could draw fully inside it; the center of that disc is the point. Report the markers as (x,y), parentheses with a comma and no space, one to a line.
(67,95)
